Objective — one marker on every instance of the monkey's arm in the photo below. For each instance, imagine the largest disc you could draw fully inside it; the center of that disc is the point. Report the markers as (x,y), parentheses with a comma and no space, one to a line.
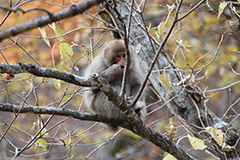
(140,106)
(134,89)
(111,73)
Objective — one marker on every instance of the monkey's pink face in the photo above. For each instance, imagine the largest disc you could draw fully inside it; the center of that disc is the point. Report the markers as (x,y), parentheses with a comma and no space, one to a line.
(120,58)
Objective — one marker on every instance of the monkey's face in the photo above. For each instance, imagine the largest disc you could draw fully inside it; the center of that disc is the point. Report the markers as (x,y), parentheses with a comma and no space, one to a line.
(120,58)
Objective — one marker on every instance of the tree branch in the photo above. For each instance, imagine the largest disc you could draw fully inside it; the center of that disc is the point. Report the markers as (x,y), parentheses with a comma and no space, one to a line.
(48,73)
(181,102)
(47,19)
(134,123)
(7,107)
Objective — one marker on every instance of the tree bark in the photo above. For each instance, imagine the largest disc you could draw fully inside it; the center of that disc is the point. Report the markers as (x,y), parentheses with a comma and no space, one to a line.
(48,19)
(188,108)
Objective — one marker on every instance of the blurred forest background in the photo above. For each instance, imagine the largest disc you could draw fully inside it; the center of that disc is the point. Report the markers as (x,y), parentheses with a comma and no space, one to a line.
(202,34)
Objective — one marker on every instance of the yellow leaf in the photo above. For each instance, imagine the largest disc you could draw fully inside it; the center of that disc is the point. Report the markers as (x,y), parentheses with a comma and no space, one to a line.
(184,45)
(70,51)
(221,8)
(64,51)
(196,143)
(68,141)
(102,136)
(161,30)
(64,68)
(41,144)
(170,9)
(166,82)
(227,148)
(172,129)
(44,35)
(131,134)
(159,126)
(161,26)
(217,134)
(232,48)
(168,156)
(57,84)
(84,135)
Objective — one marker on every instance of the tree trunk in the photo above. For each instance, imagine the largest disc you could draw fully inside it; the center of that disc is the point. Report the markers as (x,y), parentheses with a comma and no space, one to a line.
(185,102)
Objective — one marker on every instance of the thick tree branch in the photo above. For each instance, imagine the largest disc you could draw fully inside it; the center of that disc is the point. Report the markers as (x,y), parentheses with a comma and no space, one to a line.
(160,140)
(46,72)
(137,126)
(47,19)
(7,107)
(182,104)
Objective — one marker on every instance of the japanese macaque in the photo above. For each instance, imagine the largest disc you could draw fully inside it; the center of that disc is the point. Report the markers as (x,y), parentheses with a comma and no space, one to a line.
(110,63)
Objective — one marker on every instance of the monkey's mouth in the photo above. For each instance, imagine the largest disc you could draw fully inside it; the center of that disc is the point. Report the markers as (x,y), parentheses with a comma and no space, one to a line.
(122,68)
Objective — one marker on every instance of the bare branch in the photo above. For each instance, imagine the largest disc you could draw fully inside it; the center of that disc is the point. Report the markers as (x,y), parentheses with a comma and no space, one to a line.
(46,72)
(7,107)
(44,20)
(222,88)
(134,123)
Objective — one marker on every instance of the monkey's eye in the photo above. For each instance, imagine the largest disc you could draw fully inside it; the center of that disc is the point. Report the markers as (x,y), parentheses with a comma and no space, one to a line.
(124,55)
(110,2)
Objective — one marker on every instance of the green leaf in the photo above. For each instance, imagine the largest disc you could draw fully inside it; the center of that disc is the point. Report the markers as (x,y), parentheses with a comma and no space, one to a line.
(58,31)
(44,35)
(221,8)
(70,51)
(196,143)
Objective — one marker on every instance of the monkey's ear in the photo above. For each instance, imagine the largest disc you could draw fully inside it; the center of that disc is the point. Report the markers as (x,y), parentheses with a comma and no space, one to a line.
(107,58)
(105,53)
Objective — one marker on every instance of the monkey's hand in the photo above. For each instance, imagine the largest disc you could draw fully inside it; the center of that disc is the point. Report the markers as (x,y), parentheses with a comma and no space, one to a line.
(139,108)
(112,72)
(129,99)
